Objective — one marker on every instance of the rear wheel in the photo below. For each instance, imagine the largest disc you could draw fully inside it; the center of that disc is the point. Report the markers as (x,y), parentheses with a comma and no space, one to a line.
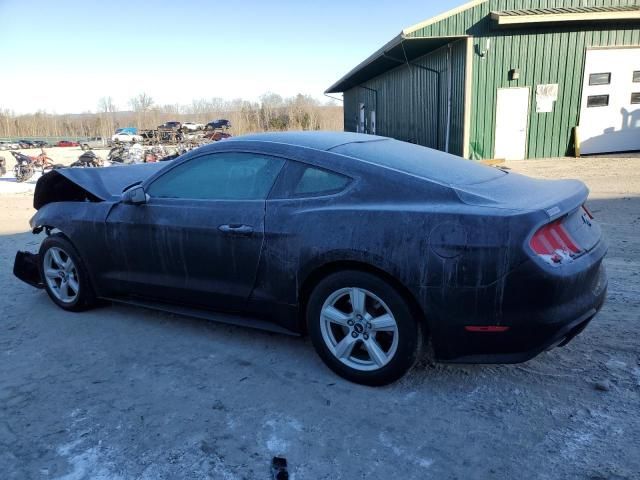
(64,276)
(363,328)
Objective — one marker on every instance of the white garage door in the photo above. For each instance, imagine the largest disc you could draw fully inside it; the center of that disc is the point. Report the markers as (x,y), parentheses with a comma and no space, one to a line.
(610,111)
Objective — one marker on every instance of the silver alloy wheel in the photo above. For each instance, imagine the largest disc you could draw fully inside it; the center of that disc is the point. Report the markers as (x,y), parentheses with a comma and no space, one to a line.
(61,275)
(359,329)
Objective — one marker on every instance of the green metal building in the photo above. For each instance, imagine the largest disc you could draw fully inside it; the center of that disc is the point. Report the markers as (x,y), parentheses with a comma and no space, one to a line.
(506,79)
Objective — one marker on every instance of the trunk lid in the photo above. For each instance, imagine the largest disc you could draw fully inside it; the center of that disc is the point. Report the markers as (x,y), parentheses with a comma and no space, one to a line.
(560,228)
(519,192)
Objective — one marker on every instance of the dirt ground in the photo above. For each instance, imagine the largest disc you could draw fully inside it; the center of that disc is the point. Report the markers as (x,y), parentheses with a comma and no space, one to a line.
(120,392)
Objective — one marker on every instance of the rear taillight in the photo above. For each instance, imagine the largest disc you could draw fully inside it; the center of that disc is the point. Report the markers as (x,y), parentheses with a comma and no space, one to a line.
(554,244)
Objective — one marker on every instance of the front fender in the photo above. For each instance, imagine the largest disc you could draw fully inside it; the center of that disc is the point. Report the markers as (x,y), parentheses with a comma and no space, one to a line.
(71,218)
(83,224)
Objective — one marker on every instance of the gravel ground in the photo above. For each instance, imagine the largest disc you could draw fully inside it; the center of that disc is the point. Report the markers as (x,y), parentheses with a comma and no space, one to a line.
(120,392)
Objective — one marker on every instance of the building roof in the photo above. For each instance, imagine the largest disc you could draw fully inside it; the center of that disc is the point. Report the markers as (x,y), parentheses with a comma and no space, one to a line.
(398,51)
(573,14)
(442,16)
(410,43)
(403,48)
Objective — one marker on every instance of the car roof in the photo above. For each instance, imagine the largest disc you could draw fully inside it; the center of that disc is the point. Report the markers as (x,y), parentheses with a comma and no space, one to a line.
(403,157)
(315,140)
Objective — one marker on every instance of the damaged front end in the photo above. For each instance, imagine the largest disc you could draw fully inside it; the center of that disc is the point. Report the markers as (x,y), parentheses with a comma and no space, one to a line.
(66,200)
(26,267)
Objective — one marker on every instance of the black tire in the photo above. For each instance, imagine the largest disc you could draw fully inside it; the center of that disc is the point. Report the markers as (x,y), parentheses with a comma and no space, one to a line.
(85,297)
(409,342)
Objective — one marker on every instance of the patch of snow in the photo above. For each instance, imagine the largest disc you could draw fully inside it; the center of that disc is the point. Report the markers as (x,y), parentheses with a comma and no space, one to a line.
(280,429)
(9,186)
(86,464)
(613,364)
(402,453)
(277,445)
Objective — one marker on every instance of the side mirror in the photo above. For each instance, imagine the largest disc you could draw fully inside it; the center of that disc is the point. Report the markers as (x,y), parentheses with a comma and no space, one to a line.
(134,196)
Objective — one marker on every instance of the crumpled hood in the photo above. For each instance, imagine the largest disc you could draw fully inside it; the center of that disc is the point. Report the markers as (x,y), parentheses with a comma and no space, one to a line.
(90,184)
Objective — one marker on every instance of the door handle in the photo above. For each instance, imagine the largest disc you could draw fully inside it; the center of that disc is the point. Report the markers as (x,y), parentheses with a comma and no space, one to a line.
(236,229)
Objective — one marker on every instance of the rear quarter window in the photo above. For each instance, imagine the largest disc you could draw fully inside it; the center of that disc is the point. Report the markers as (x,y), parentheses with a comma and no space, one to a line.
(315,181)
(299,180)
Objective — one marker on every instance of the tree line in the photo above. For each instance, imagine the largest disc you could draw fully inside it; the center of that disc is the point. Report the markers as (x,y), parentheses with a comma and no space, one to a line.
(271,112)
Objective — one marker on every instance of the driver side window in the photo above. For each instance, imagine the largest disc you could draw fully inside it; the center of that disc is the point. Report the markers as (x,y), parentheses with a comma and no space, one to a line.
(219,176)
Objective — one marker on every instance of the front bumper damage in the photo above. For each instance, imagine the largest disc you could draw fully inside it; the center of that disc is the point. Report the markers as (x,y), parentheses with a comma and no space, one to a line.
(26,268)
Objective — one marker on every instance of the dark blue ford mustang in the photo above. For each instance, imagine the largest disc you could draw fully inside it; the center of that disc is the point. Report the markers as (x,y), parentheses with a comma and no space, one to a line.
(369,245)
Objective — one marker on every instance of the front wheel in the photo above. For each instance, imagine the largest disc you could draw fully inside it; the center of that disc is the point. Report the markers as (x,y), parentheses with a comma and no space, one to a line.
(64,275)
(362,328)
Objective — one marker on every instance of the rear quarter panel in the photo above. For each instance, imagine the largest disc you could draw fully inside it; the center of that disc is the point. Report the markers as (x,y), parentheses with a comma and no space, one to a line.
(418,232)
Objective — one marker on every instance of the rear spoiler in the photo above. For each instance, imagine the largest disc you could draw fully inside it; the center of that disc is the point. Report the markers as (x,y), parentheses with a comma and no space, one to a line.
(518,192)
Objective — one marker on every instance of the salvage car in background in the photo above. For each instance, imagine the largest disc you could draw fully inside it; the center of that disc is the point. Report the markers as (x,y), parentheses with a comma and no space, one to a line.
(67,143)
(216,136)
(368,244)
(221,123)
(93,142)
(9,146)
(170,126)
(126,137)
(192,127)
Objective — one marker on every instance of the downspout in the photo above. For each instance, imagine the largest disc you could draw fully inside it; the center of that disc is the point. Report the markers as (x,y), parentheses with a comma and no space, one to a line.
(449,95)
(437,73)
(375,100)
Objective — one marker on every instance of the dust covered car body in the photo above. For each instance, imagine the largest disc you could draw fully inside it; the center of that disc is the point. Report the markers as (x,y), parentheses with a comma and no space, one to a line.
(368,244)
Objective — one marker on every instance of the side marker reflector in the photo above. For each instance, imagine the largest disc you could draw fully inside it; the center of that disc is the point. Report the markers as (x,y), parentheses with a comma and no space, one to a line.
(486,328)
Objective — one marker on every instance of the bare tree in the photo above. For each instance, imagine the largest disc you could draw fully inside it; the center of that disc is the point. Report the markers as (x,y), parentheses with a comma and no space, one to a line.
(141,104)
(106,116)
(272,112)
(106,105)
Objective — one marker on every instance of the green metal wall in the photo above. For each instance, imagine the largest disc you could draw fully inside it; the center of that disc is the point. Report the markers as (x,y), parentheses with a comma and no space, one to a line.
(542,55)
(411,106)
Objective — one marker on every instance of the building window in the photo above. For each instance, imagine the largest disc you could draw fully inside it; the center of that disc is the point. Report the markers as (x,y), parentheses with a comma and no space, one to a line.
(636,76)
(635,97)
(600,79)
(597,101)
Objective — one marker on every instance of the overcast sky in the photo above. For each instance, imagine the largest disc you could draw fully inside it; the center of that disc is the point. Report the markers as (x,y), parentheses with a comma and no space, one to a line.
(62,56)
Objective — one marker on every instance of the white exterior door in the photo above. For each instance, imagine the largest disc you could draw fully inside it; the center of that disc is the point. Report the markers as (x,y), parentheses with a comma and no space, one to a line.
(610,111)
(512,118)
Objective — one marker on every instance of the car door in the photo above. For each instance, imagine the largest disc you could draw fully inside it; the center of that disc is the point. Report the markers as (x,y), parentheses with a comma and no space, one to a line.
(198,238)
